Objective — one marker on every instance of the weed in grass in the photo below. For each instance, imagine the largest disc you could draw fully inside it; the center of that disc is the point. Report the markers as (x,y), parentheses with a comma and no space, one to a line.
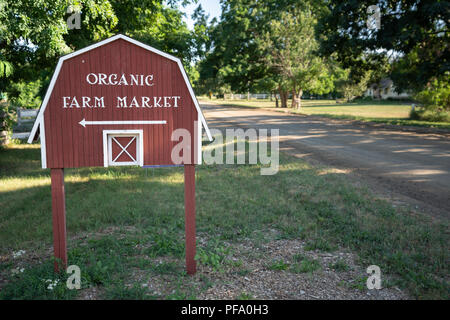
(166,268)
(206,282)
(340,266)
(291,231)
(181,294)
(4,266)
(278,265)
(306,265)
(319,244)
(37,282)
(166,243)
(142,263)
(120,291)
(214,255)
(236,263)
(245,296)
(299,257)
(359,284)
(243,272)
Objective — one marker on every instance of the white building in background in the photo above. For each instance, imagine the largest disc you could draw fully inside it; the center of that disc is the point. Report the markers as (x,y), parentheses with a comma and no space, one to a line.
(384,89)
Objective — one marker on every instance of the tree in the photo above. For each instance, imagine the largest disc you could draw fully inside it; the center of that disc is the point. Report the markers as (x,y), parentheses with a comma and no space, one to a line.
(33,34)
(234,50)
(434,101)
(235,53)
(350,87)
(413,34)
(290,51)
(234,46)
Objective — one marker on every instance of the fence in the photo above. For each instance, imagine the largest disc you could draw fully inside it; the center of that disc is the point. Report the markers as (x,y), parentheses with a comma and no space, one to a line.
(25,120)
(247,96)
(3,132)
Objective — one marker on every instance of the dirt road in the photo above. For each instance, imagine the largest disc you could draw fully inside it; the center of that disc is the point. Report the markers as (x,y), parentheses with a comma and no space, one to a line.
(406,166)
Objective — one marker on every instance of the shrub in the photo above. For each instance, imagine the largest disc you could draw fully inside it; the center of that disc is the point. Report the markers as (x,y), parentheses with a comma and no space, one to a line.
(421,113)
(7,116)
(434,102)
(25,94)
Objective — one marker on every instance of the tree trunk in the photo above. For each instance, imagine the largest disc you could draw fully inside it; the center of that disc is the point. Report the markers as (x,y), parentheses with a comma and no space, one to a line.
(276,100)
(300,93)
(284,98)
(296,99)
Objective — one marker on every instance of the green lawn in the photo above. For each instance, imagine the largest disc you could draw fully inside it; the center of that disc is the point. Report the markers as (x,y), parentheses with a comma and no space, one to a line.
(126,225)
(390,112)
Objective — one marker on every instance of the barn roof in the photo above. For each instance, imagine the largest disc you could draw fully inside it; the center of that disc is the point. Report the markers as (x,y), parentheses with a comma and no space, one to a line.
(40,116)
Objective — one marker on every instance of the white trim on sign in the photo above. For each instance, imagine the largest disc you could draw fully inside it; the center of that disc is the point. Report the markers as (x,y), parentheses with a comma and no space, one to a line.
(199,140)
(194,98)
(40,115)
(43,146)
(108,135)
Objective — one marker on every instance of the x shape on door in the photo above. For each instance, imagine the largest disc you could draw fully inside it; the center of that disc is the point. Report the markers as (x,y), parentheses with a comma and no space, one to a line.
(124,149)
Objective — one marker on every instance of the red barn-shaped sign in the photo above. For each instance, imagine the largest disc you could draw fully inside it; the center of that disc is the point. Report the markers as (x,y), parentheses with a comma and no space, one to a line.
(115,103)
(103,96)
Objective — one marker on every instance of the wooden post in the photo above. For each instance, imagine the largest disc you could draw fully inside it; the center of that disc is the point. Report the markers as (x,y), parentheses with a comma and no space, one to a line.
(189,207)
(59,218)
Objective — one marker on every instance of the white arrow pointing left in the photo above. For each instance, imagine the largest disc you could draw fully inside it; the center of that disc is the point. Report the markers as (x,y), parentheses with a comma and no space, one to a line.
(85,123)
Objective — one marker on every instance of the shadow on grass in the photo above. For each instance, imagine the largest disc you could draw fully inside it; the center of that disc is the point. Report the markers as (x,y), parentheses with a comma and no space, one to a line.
(234,203)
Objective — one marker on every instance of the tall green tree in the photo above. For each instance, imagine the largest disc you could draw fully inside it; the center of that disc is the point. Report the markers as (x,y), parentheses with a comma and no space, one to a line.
(412,33)
(34,33)
(290,50)
(234,51)
(237,57)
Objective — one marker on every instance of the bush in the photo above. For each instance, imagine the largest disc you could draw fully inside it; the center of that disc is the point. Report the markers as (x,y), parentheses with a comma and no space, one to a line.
(25,94)
(400,99)
(7,116)
(365,98)
(434,102)
(420,113)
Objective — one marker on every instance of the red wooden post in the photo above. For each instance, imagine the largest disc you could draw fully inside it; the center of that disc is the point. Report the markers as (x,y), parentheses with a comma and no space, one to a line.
(59,217)
(189,207)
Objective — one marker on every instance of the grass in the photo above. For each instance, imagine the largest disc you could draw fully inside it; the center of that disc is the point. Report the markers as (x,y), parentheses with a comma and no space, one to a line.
(214,254)
(390,112)
(126,226)
(340,266)
(320,245)
(278,265)
(245,296)
(306,266)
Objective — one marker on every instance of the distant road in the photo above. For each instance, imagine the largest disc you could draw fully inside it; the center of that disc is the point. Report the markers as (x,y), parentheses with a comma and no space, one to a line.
(414,166)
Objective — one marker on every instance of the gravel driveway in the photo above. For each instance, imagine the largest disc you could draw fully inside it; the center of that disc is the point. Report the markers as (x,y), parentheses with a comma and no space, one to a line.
(411,167)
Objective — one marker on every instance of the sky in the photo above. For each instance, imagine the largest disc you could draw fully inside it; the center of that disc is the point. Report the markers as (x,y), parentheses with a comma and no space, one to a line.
(211,7)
